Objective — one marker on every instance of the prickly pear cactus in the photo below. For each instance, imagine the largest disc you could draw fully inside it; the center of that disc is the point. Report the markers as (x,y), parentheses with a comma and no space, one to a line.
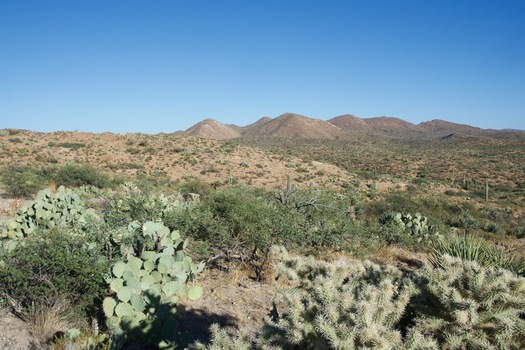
(145,288)
(416,225)
(48,210)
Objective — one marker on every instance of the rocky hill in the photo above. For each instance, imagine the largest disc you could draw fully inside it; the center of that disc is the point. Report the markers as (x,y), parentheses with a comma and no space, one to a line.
(251,128)
(212,129)
(443,125)
(296,126)
(290,125)
(392,125)
(350,122)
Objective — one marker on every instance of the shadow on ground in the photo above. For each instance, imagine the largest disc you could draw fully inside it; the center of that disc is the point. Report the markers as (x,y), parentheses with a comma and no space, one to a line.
(182,329)
(194,325)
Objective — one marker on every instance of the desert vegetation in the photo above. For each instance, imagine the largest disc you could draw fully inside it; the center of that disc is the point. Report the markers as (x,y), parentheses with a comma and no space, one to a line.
(386,242)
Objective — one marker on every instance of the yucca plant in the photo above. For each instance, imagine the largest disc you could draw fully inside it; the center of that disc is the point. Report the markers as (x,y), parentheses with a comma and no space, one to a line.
(474,248)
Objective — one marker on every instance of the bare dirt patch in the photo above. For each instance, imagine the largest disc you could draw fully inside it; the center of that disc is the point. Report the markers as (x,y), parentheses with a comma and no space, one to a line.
(15,334)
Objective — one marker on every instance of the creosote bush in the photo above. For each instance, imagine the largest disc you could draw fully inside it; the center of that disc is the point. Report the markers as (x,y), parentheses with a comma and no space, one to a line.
(25,181)
(75,175)
(53,264)
(244,223)
(21,181)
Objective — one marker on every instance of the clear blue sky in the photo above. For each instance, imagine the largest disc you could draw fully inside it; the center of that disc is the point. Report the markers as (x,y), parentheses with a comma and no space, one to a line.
(161,66)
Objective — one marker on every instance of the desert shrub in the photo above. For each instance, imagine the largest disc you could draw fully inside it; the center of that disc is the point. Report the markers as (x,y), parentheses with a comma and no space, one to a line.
(232,221)
(21,181)
(75,175)
(135,204)
(11,132)
(71,145)
(465,220)
(159,182)
(314,218)
(493,228)
(243,222)
(518,231)
(125,166)
(194,185)
(54,264)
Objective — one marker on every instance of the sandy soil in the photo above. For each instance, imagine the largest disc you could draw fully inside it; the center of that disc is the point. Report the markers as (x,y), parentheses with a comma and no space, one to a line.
(15,333)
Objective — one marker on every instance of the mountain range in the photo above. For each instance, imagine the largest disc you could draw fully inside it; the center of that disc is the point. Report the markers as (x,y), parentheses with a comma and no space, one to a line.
(291,125)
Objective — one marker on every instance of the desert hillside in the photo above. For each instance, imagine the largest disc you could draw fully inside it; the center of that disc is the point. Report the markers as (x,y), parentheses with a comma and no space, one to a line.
(347,126)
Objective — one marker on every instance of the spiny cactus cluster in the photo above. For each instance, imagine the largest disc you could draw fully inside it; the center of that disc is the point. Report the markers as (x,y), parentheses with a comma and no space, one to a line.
(466,306)
(362,305)
(146,288)
(344,305)
(417,225)
(46,211)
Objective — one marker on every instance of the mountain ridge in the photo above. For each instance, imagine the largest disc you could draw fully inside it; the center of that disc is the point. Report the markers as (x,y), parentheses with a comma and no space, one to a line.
(291,125)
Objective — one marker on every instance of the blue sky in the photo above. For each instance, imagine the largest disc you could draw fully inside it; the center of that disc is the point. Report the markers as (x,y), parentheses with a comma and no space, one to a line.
(161,66)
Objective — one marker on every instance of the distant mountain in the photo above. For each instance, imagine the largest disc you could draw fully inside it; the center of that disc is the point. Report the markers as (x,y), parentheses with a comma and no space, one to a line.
(212,129)
(442,125)
(254,126)
(350,122)
(290,125)
(391,124)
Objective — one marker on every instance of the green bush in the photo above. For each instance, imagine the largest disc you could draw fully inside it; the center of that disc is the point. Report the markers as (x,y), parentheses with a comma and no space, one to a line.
(194,185)
(74,175)
(21,181)
(313,219)
(54,264)
(232,221)
(71,145)
(245,222)
(135,204)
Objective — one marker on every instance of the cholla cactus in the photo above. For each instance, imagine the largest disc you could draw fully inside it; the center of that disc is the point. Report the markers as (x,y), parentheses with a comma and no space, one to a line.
(344,305)
(221,340)
(466,306)
(362,305)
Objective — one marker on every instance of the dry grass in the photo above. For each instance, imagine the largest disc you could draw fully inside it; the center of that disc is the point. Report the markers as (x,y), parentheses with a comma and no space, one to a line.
(49,317)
